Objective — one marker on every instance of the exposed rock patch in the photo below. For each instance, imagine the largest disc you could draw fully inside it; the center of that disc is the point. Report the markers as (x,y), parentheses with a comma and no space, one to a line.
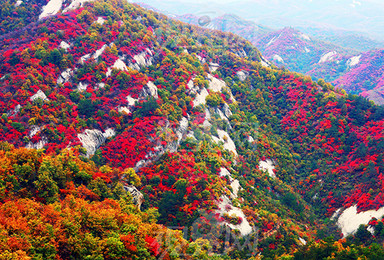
(119,64)
(137,196)
(92,139)
(65,76)
(349,221)
(39,145)
(149,90)
(64,45)
(242,75)
(39,94)
(14,111)
(200,97)
(52,8)
(268,166)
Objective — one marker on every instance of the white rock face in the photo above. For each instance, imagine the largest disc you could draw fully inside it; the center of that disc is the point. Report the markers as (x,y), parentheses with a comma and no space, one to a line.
(278,58)
(200,97)
(65,76)
(227,111)
(336,214)
(190,84)
(34,130)
(273,40)
(40,144)
(82,87)
(137,196)
(349,221)
(206,123)
(242,75)
(124,110)
(14,111)
(213,67)
(141,60)
(201,59)
(110,132)
(192,88)
(224,172)
(100,20)
(76,4)
(84,58)
(207,114)
(180,132)
(215,84)
(250,139)
(99,52)
(221,114)
(235,184)
(353,61)
(191,134)
(226,139)
(150,90)
(302,241)
(241,53)
(267,166)
(328,57)
(119,64)
(244,228)
(131,101)
(264,62)
(64,45)
(307,50)
(39,94)
(92,139)
(100,85)
(304,37)
(18,3)
(51,8)
(183,128)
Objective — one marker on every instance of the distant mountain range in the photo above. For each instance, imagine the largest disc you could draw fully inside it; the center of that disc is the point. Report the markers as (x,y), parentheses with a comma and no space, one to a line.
(346,65)
(348,39)
(351,15)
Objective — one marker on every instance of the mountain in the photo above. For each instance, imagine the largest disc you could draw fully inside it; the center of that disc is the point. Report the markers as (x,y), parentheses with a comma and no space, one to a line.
(300,52)
(348,39)
(350,15)
(354,71)
(228,23)
(365,75)
(125,134)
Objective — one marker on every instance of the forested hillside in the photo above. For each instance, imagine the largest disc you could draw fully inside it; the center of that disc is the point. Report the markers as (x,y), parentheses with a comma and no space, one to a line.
(128,135)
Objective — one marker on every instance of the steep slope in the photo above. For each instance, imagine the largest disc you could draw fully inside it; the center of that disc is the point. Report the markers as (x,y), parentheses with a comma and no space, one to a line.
(204,135)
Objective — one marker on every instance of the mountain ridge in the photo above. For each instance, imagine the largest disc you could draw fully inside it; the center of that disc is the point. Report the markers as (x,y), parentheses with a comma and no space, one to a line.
(299,52)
